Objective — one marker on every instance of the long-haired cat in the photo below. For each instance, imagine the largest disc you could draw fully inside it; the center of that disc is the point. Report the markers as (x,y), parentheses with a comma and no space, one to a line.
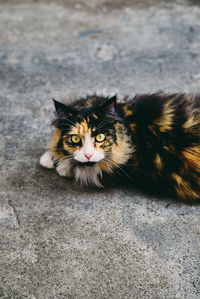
(152,139)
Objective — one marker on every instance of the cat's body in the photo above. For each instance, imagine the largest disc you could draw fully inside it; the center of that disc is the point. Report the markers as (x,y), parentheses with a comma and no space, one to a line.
(151,139)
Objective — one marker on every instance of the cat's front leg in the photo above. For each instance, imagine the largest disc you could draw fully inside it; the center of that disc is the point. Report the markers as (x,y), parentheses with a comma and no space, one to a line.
(46,160)
(64,169)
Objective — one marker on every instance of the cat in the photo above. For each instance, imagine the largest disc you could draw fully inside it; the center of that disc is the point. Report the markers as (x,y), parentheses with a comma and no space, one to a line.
(151,139)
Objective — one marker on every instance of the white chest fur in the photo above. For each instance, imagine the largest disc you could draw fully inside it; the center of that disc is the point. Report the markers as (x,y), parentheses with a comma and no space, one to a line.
(88,175)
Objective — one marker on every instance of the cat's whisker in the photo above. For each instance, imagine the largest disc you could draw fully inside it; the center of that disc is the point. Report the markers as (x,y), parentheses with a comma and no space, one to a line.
(125,155)
(101,124)
(104,122)
(66,161)
(118,167)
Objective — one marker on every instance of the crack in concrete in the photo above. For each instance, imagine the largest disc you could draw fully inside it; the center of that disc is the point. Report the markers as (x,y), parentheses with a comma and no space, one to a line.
(15,211)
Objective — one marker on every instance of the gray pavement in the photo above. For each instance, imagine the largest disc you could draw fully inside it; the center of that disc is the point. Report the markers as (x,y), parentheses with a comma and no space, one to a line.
(57,239)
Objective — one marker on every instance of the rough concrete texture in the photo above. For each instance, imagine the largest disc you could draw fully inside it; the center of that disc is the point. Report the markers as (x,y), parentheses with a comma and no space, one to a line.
(57,239)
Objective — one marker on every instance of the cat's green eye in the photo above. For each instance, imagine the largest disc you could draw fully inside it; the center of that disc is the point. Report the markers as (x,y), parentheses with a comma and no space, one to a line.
(75,139)
(100,137)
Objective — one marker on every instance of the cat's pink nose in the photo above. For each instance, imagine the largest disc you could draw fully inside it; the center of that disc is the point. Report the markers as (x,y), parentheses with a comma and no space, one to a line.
(88,156)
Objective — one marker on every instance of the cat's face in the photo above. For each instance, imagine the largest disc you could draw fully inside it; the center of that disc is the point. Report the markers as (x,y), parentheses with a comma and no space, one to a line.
(87,144)
(89,140)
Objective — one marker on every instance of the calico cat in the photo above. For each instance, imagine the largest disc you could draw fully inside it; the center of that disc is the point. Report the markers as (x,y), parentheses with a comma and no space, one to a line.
(151,139)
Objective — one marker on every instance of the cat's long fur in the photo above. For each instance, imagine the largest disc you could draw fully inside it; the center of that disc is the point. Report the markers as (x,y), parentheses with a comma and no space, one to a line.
(153,139)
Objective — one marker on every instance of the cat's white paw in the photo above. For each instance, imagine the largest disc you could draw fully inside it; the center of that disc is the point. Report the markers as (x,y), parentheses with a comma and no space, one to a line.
(63,169)
(46,160)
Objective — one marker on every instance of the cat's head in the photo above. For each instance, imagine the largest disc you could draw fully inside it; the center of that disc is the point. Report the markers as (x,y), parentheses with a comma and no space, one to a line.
(89,139)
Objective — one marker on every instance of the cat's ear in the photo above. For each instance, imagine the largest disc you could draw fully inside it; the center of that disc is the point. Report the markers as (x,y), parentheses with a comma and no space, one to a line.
(110,105)
(62,109)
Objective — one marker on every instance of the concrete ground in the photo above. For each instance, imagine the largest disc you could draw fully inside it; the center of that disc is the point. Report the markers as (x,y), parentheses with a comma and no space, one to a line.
(61,241)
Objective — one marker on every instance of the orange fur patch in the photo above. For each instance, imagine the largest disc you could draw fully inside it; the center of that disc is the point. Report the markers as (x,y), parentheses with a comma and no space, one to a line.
(106,166)
(186,194)
(121,151)
(158,162)
(191,156)
(153,130)
(127,110)
(183,188)
(81,129)
(54,145)
(166,120)
(94,115)
(133,127)
(55,139)
(179,180)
